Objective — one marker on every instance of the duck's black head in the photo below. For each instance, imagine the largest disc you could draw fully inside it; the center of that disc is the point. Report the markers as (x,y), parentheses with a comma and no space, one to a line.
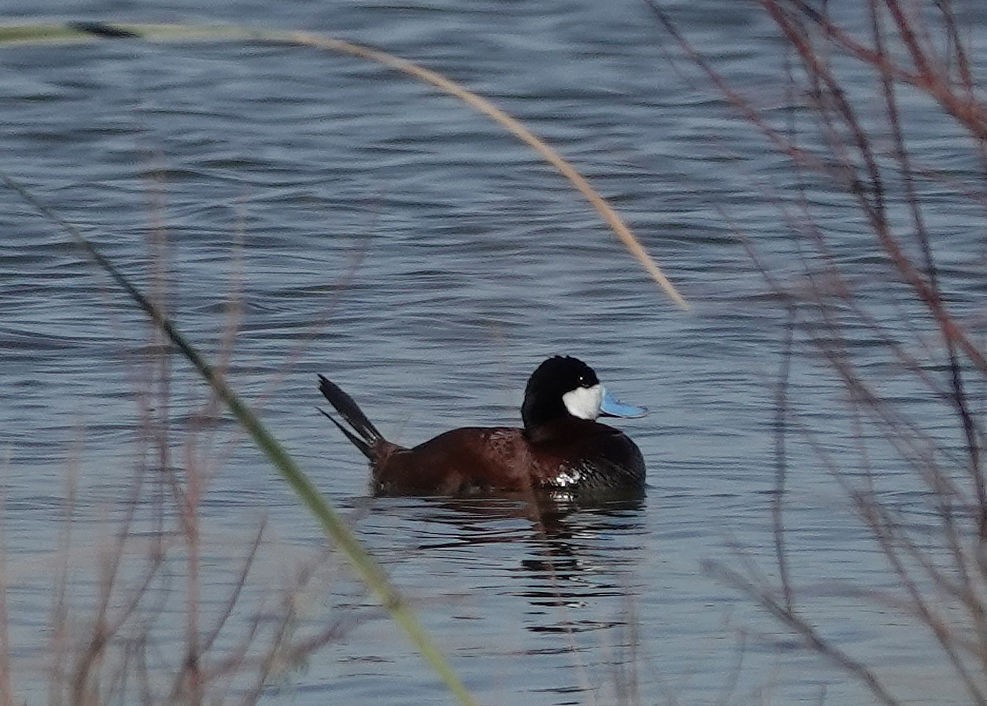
(564,386)
(556,380)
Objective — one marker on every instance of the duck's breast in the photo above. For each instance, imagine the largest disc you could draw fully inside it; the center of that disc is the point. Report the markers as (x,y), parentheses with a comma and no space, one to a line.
(583,454)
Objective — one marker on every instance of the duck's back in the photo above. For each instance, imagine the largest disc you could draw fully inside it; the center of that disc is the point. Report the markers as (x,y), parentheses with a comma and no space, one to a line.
(465,460)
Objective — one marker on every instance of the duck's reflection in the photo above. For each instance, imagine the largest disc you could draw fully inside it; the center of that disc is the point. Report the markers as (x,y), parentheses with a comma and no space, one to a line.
(555,579)
(550,514)
(566,552)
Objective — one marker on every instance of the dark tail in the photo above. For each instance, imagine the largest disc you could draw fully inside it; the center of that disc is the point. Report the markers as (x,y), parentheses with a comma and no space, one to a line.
(366,435)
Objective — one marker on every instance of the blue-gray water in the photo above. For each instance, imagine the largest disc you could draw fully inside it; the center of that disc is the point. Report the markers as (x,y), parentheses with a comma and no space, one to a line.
(391,238)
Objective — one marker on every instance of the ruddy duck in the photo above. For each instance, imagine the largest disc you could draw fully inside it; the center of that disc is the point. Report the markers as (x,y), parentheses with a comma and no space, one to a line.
(562,446)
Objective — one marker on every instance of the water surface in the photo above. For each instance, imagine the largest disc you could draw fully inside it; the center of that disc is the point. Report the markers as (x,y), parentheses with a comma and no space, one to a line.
(388,237)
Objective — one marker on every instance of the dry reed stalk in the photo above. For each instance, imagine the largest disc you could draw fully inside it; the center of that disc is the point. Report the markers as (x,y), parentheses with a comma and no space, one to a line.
(941,582)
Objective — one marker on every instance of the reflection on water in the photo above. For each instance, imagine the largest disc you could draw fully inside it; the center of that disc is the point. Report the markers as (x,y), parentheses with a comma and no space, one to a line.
(562,571)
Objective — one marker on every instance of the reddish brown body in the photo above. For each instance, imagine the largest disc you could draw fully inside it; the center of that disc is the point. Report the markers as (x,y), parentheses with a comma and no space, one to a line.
(479,459)
(556,450)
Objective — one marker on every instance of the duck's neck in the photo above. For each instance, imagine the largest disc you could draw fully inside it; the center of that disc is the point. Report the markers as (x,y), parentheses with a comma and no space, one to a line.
(536,414)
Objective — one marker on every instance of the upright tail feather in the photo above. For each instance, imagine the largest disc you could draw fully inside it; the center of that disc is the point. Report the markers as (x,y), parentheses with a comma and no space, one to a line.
(366,434)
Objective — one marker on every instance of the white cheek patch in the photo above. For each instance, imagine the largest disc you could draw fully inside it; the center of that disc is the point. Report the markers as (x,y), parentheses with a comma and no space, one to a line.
(584,402)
